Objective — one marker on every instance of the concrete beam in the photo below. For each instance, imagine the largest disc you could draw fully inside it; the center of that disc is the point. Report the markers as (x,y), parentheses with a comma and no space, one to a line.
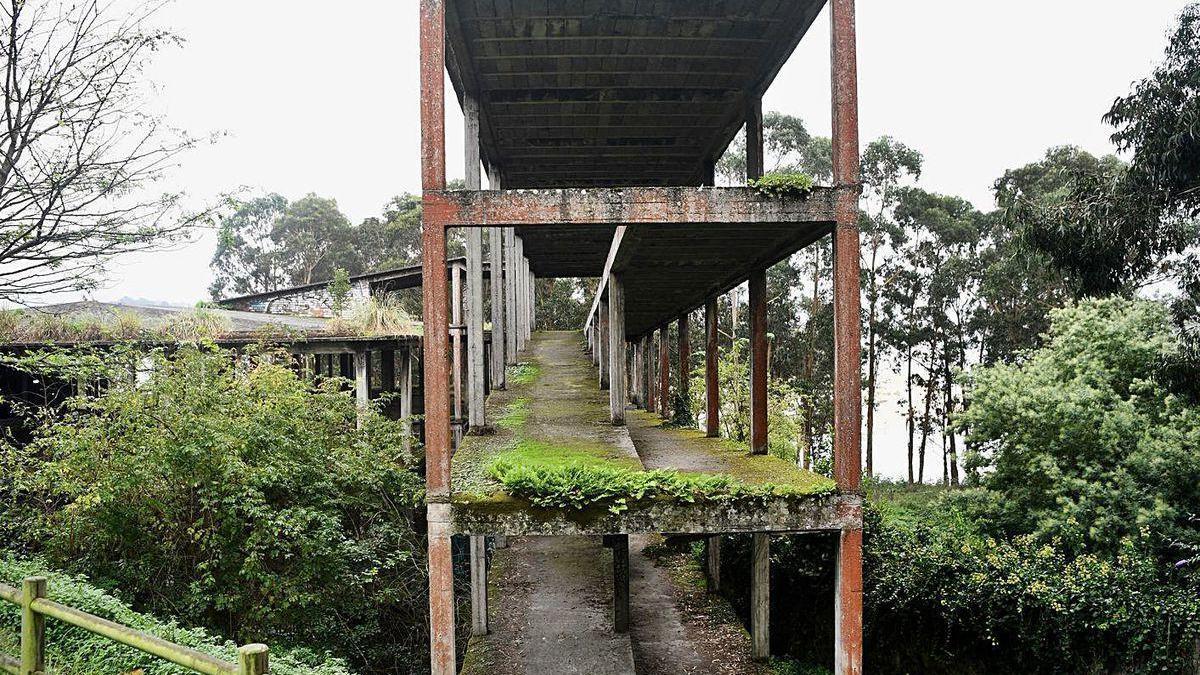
(627,206)
(778,515)
(616,350)
(758,362)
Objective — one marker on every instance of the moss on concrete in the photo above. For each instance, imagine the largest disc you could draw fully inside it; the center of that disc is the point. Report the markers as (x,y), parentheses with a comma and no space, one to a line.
(554,449)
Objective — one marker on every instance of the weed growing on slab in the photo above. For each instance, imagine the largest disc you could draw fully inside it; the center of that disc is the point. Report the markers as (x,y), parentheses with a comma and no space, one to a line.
(552,477)
(780,184)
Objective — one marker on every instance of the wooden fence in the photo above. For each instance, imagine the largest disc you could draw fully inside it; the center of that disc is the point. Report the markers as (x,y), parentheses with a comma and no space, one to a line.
(36,606)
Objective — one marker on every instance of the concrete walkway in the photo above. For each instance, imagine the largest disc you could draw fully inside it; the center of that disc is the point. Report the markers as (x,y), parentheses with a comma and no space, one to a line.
(551,614)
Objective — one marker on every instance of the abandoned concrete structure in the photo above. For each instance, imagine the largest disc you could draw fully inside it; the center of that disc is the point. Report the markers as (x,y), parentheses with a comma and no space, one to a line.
(599,124)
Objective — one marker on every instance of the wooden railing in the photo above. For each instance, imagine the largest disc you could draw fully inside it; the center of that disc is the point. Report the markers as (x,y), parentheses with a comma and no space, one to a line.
(36,606)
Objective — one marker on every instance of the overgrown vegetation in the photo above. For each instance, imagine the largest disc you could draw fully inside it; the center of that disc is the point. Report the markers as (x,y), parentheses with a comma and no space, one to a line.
(74,651)
(783,184)
(574,478)
(231,494)
(1076,551)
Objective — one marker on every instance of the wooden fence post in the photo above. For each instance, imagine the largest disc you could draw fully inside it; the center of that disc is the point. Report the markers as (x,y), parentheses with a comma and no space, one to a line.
(33,627)
(252,659)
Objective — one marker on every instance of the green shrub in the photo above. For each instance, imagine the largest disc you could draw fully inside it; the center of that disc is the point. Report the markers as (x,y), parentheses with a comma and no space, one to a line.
(1021,605)
(1083,442)
(575,481)
(782,184)
(74,650)
(229,493)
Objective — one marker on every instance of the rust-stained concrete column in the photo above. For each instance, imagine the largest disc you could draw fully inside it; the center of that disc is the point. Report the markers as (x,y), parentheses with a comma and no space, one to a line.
(664,371)
(847,393)
(758,362)
(479,593)
(685,358)
(760,597)
(847,596)
(437,394)
(712,385)
(616,348)
(441,591)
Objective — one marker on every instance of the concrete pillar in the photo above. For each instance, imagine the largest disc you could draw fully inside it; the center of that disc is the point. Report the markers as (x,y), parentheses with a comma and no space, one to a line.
(712,384)
(479,581)
(387,373)
(441,590)
(758,362)
(604,346)
(847,597)
(456,340)
(405,387)
(532,301)
(519,289)
(754,138)
(712,563)
(474,181)
(651,382)
(496,284)
(616,349)
(760,597)
(362,383)
(620,551)
(664,371)
(510,300)
(685,358)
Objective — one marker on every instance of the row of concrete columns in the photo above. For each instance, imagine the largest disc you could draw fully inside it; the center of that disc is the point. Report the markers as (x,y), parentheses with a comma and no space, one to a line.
(512,318)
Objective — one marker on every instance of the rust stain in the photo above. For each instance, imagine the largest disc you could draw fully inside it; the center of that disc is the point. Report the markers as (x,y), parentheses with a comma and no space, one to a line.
(848,638)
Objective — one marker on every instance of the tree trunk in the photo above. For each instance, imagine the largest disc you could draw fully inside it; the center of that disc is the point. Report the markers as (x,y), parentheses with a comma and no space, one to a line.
(911,421)
(952,452)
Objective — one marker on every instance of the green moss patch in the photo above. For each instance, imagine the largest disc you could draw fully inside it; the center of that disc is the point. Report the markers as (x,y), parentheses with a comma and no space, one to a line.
(523,373)
(515,414)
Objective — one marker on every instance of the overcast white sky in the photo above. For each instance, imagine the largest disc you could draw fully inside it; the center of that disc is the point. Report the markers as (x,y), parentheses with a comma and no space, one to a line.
(322,97)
